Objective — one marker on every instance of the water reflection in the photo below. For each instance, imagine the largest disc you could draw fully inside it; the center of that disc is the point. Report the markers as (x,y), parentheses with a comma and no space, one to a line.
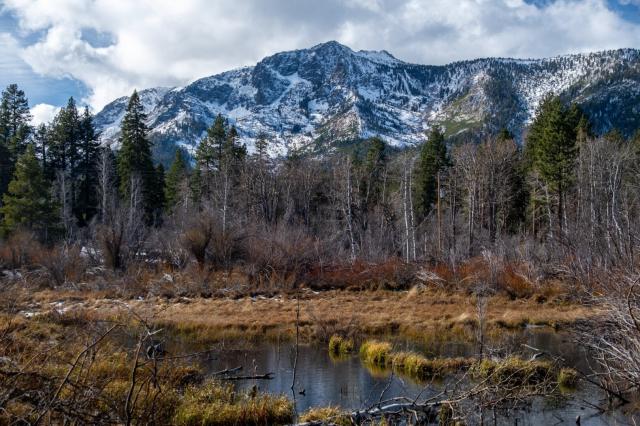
(323,380)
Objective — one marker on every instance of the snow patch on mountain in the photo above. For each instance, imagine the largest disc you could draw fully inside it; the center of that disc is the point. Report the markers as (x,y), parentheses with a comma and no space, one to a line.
(315,97)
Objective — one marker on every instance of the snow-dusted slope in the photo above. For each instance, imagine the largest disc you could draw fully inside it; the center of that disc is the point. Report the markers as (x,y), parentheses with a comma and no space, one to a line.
(316,97)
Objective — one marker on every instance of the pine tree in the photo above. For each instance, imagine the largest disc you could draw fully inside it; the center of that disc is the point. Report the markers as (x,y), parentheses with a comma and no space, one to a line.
(65,140)
(208,157)
(552,147)
(64,157)
(14,120)
(233,153)
(211,148)
(433,159)
(41,145)
(134,159)
(174,181)
(14,131)
(372,172)
(28,203)
(196,185)
(86,172)
(157,194)
(6,169)
(261,146)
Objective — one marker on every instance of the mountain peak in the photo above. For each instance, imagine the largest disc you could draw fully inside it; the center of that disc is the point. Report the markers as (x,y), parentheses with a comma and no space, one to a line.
(318,97)
(331,45)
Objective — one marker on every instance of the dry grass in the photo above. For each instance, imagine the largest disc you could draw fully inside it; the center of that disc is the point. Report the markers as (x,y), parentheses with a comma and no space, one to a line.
(376,352)
(42,349)
(427,315)
(568,378)
(419,367)
(369,313)
(215,404)
(339,345)
(514,371)
(326,415)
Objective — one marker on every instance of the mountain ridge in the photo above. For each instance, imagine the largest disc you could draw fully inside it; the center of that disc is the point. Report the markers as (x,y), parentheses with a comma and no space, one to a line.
(314,98)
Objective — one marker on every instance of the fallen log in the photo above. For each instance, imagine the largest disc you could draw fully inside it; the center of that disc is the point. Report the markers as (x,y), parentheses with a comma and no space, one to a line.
(267,376)
(227,371)
(387,408)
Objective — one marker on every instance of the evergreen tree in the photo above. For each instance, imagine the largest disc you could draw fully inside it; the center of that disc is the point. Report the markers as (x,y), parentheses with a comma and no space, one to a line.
(14,120)
(373,169)
(28,203)
(261,146)
(6,169)
(86,173)
(65,140)
(433,159)
(134,159)
(14,131)
(210,150)
(41,145)
(174,180)
(551,147)
(64,158)
(157,194)
(196,184)
(208,156)
(233,153)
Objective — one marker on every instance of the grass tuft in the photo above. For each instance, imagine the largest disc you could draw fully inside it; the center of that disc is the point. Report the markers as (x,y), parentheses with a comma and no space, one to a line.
(339,345)
(326,415)
(215,404)
(513,370)
(568,378)
(419,367)
(376,352)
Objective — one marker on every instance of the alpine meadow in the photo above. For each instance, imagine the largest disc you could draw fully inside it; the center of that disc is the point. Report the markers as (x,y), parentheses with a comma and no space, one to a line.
(327,235)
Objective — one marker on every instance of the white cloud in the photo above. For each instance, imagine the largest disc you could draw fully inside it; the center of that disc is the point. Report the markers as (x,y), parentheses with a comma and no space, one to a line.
(43,113)
(10,60)
(167,42)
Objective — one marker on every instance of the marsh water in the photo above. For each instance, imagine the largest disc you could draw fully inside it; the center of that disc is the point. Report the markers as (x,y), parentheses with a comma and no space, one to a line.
(323,380)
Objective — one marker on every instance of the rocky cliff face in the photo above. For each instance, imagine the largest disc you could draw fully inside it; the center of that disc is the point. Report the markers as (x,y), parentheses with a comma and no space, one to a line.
(328,94)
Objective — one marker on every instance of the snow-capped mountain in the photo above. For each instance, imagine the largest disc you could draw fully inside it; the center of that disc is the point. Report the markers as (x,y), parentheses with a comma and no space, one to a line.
(314,98)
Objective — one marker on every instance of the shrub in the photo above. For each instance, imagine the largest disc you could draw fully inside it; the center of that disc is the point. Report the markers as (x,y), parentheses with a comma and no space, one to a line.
(279,257)
(63,263)
(19,250)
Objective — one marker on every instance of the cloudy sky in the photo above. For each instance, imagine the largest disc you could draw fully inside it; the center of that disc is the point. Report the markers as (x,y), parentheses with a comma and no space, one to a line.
(97,50)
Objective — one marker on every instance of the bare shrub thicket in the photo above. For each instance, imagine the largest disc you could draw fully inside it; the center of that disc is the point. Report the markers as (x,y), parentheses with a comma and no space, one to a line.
(614,341)
(121,238)
(278,257)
